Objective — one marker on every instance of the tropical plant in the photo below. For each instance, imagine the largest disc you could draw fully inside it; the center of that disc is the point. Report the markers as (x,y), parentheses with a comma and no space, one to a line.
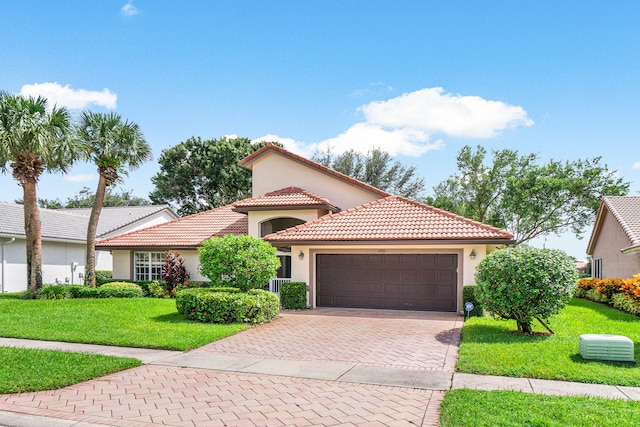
(34,138)
(111,144)
(525,284)
(242,262)
(174,272)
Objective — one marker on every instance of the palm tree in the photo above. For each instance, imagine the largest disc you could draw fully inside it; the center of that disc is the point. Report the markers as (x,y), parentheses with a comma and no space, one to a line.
(110,144)
(33,139)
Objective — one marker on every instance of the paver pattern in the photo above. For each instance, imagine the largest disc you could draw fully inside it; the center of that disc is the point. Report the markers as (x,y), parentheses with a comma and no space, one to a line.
(156,395)
(413,340)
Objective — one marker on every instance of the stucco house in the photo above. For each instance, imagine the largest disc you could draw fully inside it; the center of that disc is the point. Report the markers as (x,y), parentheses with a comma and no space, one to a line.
(64,240)
(614,245)
(354,245)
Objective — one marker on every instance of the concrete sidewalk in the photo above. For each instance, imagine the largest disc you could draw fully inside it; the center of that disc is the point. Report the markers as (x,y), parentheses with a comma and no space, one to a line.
(333,371)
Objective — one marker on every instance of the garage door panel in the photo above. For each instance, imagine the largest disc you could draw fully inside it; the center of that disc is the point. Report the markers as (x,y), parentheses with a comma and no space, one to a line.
(392,281)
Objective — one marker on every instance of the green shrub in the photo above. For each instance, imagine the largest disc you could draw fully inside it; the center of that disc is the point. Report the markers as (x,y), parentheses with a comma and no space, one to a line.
(595,295)
(469,295)
(103,276)
(293,295)
(525,284)
(156,289)
(626,303)
(243,262)
(53,292)
(79,291)
(223,305)
(120,290)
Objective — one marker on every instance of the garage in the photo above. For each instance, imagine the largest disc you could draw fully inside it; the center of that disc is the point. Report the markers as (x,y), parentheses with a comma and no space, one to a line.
(387,281)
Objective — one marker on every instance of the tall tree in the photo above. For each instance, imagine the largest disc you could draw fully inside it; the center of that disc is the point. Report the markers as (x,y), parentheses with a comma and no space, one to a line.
(529,199)
(113,145)
(197,175)
(33,139)
(376,168)
(86,197)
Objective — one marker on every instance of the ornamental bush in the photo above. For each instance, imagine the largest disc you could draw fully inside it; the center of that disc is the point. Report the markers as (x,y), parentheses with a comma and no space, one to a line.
(103,276)
(469,295)
(53,292)
(227,305)
(525,284)
(174,272)
(242,262)
(293,295)
(120,290)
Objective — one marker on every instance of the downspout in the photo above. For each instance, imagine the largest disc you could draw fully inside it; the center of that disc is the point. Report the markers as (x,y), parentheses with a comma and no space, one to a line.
(4,261)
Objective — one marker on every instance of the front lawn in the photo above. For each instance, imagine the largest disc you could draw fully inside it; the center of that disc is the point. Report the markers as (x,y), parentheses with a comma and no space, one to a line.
(35,370)
(493,347)
(129,322)
(478,408)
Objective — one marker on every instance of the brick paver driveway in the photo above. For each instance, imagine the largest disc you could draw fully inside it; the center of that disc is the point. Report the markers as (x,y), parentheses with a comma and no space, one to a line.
(153,395)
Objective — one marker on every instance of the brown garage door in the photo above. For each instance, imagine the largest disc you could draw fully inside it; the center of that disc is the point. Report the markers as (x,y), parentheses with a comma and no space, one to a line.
(389,281)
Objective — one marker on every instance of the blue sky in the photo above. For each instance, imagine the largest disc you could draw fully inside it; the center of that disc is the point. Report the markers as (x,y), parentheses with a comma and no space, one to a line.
(419,79)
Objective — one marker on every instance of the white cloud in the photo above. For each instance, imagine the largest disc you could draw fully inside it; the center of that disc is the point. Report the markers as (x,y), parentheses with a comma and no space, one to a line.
(636,165)
(407,125)
(432,111)
(87,177)
(129,9)
(74,99)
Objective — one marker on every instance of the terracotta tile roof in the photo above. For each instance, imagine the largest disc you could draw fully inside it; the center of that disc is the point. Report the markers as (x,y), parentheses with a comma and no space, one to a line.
(391,218)
(286,198)
(248,161)
(187,232)
(626,211)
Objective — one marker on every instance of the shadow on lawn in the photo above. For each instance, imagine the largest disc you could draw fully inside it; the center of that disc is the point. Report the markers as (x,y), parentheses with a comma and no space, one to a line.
(497,334)
(171,318)
(605,310)
(576,358)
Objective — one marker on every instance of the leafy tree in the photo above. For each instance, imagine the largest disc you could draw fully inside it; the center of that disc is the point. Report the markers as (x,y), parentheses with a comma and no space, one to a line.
(242,262)
(525,284)
(197,175)
(376,168)
(111,144)
(528,199)
(86,197)
(33,139)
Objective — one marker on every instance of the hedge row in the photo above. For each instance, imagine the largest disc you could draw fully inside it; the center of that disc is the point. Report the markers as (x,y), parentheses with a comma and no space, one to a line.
(108,290)
(227,305)
(623,294)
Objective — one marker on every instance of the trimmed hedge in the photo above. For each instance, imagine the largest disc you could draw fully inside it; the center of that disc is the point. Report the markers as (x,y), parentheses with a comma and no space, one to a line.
(469,295)
(103,276)
(227,305)
(120,290)
(623,294)
(76,291)
(293,295)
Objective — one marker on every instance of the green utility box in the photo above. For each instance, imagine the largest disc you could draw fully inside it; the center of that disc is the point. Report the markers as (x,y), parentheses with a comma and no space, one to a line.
(616,348)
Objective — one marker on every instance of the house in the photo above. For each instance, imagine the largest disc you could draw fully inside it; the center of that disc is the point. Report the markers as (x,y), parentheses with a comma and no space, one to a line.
(614,245)
(64,240)
(354,245)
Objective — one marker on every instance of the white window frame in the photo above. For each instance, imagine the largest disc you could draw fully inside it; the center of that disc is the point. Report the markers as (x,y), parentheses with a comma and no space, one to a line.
(148,265)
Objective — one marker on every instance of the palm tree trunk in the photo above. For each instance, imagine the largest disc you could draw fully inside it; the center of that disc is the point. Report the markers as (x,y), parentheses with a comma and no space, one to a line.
(98,201)
(32,229)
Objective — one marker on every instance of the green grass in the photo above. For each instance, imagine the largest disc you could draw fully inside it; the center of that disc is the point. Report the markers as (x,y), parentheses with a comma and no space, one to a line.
(130,322)
(477,408)
(493,347)
(35,370)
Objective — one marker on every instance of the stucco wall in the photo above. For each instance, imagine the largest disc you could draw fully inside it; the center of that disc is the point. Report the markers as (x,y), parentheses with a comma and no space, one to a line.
(608,245)
(274,172)
(303,270)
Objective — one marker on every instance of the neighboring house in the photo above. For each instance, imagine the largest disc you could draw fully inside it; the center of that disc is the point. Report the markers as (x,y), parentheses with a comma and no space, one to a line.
(64,240)
(614,245)
(353,244)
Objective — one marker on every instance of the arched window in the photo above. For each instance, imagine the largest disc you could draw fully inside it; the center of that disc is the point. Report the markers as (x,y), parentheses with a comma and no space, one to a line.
(277,224)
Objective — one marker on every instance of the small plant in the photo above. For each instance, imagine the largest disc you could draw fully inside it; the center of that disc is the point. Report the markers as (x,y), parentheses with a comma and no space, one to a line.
(525,284)
(79,291)
(53,292)
(293,295)
(156,289)
(120,290)
(243,262)
(174,272)
(103,276)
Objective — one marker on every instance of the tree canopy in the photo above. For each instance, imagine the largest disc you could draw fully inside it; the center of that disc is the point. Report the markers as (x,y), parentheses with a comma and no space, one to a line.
(376,168)
(85,197)
(529,199)
(201,174)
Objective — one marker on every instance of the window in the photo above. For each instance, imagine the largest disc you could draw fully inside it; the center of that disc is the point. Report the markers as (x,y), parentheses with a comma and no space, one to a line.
(148,265)
(597,268)
(284,272)
(277,224)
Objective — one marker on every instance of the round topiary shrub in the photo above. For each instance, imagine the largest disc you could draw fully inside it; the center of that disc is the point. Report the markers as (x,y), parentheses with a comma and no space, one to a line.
(227,305)
(120,290)
(525,284)
(242,262)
